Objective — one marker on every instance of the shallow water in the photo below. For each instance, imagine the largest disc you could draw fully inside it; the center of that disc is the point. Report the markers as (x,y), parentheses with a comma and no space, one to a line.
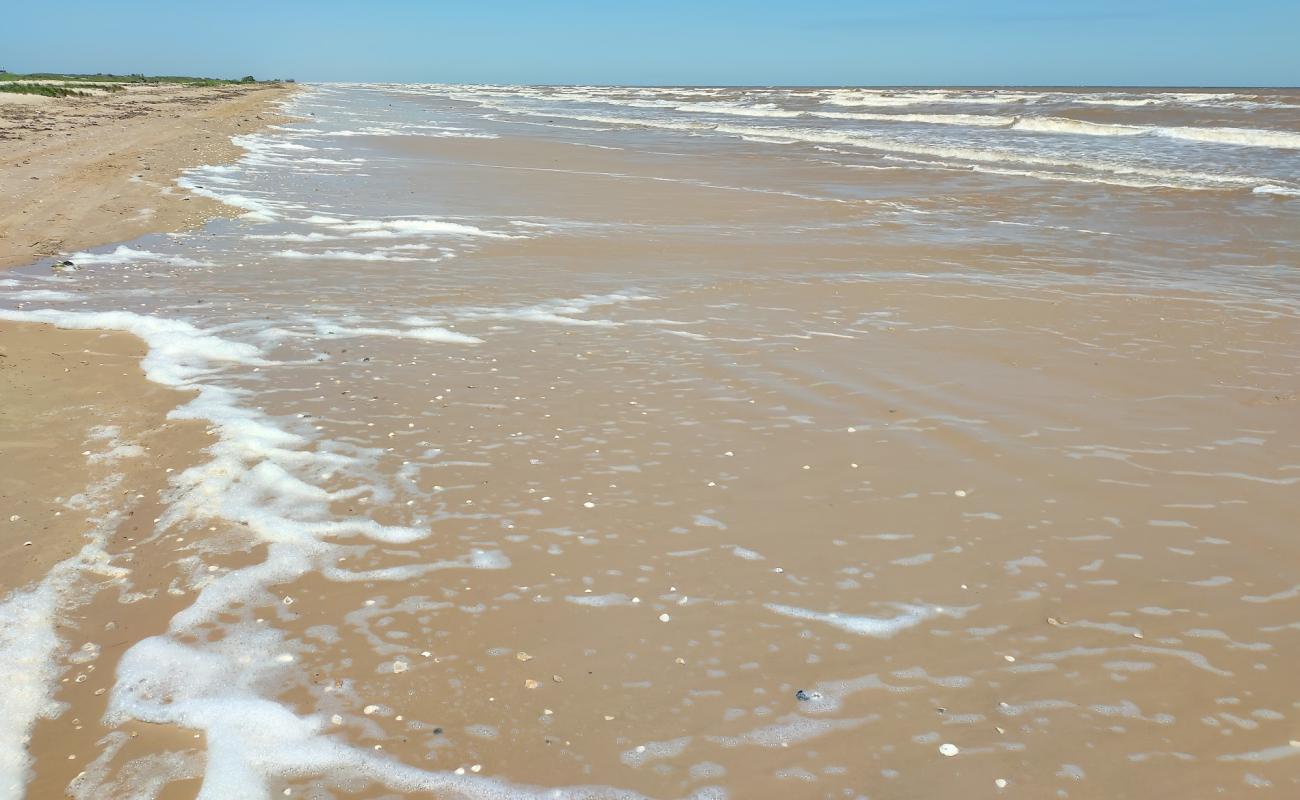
(565,435)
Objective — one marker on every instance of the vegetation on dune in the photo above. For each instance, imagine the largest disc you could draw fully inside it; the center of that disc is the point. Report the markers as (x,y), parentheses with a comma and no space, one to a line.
(103,80)
(56,76)
(43,89)
(96,87)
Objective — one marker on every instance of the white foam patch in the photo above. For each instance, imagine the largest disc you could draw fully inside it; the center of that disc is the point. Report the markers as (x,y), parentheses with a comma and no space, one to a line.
(434,131)
(975,120)
(654,751)
(1241,137)
(1276,190)
(254,209)
(40,295)
(482,731)
(883,98)
(739,109)
(343,255)
(408,226)
(790,729)
(746,553)
(315,236)
(1291,750)
(28,645)
(426,333)
(114,448)
(600,600)
(129,255)
(439,335)
(1074,126)
(862,625)
(477,559)
(558,312)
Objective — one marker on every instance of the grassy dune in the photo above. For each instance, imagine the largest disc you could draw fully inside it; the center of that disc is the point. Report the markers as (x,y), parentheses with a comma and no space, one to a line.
(59,84)
(58,89)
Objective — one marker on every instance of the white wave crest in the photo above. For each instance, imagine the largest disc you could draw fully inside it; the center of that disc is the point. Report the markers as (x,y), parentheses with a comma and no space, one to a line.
(1075,126)
(1242,137)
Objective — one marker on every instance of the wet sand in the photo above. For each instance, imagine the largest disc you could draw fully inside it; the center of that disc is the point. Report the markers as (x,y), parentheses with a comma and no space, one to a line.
(65,391)
(670,471)
(87,454)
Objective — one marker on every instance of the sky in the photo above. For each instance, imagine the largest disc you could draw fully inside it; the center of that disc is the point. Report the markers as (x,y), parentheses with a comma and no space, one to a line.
(671,42)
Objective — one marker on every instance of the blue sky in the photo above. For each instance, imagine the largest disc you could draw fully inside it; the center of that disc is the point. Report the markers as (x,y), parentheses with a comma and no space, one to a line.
(1140,42)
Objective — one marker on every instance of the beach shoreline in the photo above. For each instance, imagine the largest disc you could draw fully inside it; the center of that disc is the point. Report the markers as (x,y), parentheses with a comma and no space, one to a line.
(529,453)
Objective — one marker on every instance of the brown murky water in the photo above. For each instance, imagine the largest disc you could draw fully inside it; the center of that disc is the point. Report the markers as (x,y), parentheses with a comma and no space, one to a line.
(567,457)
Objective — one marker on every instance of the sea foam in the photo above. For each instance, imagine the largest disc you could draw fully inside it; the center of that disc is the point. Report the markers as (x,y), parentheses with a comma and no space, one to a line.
(256,477)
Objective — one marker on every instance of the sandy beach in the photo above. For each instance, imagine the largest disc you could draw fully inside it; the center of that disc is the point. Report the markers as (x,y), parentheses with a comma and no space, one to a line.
(608,442)
(78,172)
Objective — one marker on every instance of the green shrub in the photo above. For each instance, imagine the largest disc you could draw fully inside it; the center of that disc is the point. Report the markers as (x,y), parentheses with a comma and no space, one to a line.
(43,89)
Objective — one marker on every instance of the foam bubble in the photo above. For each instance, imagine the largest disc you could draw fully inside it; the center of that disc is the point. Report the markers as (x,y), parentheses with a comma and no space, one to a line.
(558,312)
